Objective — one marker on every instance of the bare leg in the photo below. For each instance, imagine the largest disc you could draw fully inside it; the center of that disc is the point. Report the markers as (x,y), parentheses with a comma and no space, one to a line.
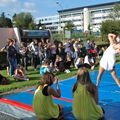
(101,70)
(8,70)
(113,73)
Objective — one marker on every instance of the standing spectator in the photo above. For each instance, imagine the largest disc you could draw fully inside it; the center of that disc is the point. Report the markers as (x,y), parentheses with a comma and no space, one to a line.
(18,56)
(41,53)
(48,54)
(24,56)
(35,52)
(85,94)
(53,52)
(43,105)
(75,46)
(60,51)
(88,45)
(11,55)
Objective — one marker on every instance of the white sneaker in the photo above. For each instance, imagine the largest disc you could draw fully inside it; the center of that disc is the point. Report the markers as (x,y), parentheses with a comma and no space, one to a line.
(27,79)
(92,68)
(67,71)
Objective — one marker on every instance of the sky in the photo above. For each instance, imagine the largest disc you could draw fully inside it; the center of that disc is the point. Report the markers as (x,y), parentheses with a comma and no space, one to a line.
(42,8)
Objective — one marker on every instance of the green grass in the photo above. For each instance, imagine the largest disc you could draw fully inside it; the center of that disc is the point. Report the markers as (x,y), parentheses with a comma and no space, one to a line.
(34,78)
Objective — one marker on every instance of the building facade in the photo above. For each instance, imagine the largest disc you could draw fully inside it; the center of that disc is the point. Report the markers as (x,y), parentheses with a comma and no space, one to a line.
(49,22)
(83,18)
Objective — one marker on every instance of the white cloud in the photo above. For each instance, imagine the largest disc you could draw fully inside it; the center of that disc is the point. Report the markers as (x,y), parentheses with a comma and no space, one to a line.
(28,10)
(29,5)
(6,2)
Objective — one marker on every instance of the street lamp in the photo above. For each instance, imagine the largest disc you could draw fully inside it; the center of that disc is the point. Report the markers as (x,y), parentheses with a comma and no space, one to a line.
(60,16)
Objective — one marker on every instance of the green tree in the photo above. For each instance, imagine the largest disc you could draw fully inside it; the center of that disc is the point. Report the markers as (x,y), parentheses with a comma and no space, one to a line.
(4,21)
(109,26)
(58,36)
(69,26)
(115,13)
(23,20)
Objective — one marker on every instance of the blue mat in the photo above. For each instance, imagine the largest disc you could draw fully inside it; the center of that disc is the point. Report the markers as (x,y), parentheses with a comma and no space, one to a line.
(109,95)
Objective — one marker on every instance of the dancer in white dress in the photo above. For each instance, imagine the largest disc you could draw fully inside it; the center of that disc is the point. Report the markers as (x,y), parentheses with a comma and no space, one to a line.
(108,59)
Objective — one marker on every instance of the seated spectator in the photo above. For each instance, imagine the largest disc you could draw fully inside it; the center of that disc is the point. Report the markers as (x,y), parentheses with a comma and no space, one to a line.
(79,62)
(3,80)
(44,67)
(85,94)
(43,105)
(68,62)
(61,65)
(20,73)
(89,62)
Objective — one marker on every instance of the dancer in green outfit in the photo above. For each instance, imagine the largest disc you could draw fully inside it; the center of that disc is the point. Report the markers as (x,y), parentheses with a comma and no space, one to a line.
(43,104)
(85,98)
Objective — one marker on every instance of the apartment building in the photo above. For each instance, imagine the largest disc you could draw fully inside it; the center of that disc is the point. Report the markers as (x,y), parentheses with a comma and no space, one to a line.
(82,17)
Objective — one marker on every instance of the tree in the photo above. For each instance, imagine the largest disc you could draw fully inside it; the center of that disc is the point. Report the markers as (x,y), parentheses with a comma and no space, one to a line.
(112,25)
(23,20)
(69,25)
(115,13)
(109,26)
(4,21)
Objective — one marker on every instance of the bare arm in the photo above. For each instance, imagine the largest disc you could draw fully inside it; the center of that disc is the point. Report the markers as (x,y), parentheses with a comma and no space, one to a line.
(3,49)
(116,46)
(51,91)
(111,38)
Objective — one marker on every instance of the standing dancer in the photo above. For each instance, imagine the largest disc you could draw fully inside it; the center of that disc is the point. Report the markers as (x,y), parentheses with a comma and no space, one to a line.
(108,59)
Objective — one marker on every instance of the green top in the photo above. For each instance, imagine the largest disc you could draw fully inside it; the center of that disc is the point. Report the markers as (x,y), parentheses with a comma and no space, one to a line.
(43,106)
(84,106)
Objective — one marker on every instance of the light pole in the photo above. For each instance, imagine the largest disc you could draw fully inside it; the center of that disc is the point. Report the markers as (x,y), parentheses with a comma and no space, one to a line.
(60,16)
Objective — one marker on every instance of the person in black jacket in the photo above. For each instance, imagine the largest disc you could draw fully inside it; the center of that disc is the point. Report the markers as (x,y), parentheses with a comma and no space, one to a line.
(11,56)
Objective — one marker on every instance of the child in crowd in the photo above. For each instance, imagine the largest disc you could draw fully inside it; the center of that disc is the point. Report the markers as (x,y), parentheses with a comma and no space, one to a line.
(43,105)
(108,59)
(85,94)
(44,67)
(20,73)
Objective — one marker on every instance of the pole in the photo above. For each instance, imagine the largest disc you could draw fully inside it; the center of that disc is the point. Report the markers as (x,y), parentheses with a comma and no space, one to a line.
(60,16)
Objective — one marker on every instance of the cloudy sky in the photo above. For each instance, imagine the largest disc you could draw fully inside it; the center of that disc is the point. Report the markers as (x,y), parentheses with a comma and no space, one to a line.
(40,8)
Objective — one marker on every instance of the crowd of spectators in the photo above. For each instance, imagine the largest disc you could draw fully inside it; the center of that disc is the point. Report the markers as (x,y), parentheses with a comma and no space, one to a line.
(61,56)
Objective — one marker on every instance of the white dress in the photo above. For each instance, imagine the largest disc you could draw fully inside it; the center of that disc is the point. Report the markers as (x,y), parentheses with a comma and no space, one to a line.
(108,59)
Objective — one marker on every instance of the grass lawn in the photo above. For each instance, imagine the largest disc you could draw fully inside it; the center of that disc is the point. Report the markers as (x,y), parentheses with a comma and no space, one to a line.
(34,78)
